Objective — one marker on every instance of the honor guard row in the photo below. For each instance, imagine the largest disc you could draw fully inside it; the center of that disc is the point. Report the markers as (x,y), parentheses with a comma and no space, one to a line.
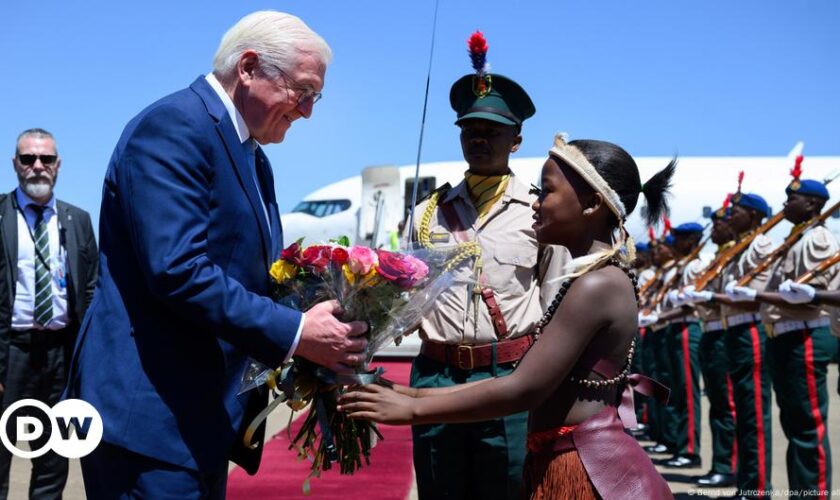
(753,315)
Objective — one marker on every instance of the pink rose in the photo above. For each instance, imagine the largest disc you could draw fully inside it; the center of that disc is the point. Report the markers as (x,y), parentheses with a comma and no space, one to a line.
(399,269)
(362,260)
(420,268)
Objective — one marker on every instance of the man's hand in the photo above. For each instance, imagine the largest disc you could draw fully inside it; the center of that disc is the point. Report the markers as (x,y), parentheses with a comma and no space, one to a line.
(379,404)
(740,293)
(796,293)
(693,296)
(647,319)
(675,298)
(328,342)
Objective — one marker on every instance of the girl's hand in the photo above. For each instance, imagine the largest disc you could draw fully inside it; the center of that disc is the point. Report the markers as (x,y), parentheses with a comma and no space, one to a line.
(379,404)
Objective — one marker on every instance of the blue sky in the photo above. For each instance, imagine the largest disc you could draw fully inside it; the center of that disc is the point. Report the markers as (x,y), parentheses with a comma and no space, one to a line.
(700,78)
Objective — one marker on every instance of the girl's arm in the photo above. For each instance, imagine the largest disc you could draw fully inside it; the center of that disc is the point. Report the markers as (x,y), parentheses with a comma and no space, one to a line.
(589,306)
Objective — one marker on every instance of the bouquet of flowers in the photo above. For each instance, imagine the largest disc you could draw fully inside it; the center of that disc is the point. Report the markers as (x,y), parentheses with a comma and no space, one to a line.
(391,291)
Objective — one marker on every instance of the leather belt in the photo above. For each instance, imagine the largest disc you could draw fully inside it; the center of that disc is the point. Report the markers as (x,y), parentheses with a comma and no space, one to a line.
(33,338)
(742,319)
(783,327)
(467,357)
(712,326)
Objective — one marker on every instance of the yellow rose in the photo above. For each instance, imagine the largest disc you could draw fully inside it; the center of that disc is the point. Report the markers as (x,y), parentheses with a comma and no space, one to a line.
(283,270)
(348,274)
(371,279)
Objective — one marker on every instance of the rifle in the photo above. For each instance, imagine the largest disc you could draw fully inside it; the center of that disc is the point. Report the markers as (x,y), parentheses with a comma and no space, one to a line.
(786,245)
(719,264)
(821,268)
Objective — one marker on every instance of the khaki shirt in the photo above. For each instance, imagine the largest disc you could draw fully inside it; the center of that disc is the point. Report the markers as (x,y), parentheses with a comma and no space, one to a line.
(760,248)
(509,253)
(645,275)
(816,245)
(705,311)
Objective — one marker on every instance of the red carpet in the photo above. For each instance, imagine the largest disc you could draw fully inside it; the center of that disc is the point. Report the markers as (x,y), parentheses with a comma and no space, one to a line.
(388,477)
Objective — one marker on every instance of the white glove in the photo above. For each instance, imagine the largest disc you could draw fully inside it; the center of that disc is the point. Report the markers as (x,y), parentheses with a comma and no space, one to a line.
(796,293)
(647,319)
(696,297)
(740,293)
(674,298)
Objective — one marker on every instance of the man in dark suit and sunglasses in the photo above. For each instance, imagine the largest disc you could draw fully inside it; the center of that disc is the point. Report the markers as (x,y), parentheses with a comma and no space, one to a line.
(48,269)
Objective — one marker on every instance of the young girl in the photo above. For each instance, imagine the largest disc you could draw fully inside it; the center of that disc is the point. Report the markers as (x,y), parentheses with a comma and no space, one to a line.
(573,379)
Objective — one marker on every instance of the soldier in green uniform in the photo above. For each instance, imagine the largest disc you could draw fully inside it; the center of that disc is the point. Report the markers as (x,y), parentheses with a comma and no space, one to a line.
(663,430)
(800,345)
(714,364)
(682,343)
(476,332)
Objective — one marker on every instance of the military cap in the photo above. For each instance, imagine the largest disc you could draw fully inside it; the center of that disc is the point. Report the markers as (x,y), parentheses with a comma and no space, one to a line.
(755,202)
(642,247)
(491,97)
(808,187)
(687,229)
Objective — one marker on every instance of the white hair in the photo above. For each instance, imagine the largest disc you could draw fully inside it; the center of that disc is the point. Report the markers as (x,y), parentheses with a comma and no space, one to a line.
(278,38)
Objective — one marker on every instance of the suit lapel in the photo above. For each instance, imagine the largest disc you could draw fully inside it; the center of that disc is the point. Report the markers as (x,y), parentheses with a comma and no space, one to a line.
(69,241)
(236,153)
(8,212)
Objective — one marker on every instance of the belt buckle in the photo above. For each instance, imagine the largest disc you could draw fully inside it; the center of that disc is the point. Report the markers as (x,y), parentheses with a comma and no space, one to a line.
(461,364)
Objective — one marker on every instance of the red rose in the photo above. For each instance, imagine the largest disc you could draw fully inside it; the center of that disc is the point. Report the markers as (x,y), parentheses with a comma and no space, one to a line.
(292,254)
(339,256)
(316,258)
(396,268)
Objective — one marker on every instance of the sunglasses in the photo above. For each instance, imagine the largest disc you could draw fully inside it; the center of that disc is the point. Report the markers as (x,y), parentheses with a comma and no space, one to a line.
(29,160)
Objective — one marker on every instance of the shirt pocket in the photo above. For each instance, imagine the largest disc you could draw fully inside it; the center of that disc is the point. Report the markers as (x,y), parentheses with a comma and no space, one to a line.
(511,269)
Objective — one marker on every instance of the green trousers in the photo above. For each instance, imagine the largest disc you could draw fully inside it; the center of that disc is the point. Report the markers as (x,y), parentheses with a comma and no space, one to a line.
(478,461)
(666,414)
(748,370)
(798,363)
(652,412)
(714,365)
(683,342)
(637,366)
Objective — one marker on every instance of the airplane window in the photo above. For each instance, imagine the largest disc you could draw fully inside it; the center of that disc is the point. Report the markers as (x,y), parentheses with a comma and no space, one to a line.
(707,212)
(322,208)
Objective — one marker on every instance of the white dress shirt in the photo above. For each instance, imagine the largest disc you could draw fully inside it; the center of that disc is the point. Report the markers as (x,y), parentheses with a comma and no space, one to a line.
(244,135)
(23,314)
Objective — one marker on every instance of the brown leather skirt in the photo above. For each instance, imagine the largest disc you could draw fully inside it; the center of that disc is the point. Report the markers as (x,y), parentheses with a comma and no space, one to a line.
(595,459)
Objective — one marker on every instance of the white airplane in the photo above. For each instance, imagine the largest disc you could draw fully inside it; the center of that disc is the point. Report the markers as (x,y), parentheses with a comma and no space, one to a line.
(370,206)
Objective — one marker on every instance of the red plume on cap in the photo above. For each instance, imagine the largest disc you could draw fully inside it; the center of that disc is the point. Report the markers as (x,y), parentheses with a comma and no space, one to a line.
(728,199)
(740,180)
(651,235)
(796,171)
(666,223)
(478,52)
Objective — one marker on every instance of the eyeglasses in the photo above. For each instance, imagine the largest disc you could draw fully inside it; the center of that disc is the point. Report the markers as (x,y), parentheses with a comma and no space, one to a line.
(306,95)
(29,160)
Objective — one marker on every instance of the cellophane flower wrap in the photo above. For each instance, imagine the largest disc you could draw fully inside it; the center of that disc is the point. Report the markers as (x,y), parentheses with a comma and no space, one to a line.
(391,291)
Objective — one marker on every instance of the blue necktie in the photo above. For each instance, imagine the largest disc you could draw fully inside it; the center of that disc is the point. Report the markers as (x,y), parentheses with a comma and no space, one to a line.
(251,151)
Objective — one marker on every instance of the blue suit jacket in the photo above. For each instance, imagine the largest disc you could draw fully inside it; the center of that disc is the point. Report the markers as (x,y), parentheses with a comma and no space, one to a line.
(182,298)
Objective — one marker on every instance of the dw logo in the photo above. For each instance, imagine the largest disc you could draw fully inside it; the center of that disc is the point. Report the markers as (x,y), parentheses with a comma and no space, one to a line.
(72,428)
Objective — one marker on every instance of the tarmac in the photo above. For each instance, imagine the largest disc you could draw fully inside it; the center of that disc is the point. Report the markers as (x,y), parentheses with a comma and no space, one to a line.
(680,480)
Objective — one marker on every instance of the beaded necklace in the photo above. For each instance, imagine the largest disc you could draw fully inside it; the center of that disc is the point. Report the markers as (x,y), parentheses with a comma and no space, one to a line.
(552,308)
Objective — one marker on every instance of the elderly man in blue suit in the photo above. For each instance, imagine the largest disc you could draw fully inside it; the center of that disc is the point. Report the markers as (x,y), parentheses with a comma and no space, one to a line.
(189,227)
